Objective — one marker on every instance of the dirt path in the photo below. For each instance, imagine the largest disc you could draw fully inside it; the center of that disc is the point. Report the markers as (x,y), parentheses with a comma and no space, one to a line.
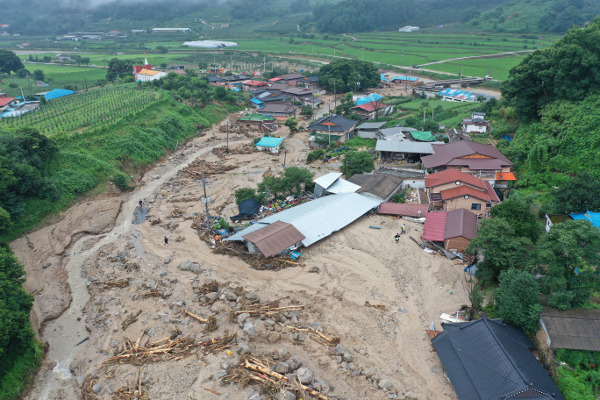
(69,329)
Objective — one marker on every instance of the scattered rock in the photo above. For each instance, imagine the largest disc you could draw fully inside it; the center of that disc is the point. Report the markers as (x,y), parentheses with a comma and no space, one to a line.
(97,388)
(220,374)
(386,384)
(243,348)
(273,337)
(281,368)
(80,380)
(437,370)
(294,363)
(230,296)
(46,264)
(249,329)
(252,297)
(285,395)
(403,310)
(305,375)
(241,319)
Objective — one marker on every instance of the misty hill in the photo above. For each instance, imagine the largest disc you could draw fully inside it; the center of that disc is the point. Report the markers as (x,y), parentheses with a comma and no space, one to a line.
(40,17)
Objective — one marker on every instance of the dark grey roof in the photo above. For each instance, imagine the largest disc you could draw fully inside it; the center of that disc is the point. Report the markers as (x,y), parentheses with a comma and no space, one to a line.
(214,78)
(371,125)
(333,123)
(277,108)
(577,329)
(313,79)
(383,186)
(490,360)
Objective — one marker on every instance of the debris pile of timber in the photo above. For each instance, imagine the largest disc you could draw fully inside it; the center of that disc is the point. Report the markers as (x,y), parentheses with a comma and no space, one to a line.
(259,371)
(198,167)
(174,347)
(256,261)
(223,151)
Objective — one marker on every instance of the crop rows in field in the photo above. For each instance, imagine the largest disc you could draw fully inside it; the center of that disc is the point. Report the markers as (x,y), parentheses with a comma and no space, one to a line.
(84,110)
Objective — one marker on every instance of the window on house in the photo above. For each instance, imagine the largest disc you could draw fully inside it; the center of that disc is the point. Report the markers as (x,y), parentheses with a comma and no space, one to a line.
(475,206)
(488,205)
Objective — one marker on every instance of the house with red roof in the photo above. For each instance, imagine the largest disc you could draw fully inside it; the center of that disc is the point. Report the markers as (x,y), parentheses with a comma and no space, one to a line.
(451,190)
(253,85)
(481,160)
(372,110)
(452,230)
(5,101)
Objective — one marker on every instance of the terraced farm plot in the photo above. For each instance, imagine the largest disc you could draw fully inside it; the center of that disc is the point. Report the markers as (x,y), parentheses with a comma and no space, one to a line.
(85,110)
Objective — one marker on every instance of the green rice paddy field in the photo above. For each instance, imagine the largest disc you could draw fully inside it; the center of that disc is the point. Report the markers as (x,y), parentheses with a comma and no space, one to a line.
(388,48)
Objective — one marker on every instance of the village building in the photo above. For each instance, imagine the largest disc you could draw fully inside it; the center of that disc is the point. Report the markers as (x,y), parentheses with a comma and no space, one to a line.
(369,130)
(171,30)
(575,329)
(475,124)
(452,230)
(482,160)
(591,217)
(331,129)
(451,190)
(382,186)
(402,151)
(405,79)
(373,110)
(489,359)
(403,210)
(5,101)
(279,110)
(276,238)
(271,144)
(297,94)
(395,133)
(457,95)
(421,136)
(56,93)
(408,29)
(319,218)
(145,73)
(252,85)
(333,183)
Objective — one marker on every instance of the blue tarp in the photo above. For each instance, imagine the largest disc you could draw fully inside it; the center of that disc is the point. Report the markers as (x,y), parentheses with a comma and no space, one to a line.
(269,142)
(593,217)
(405,78)
(56,93)
(368,99)
(459,94)
(256,101)
(383,78)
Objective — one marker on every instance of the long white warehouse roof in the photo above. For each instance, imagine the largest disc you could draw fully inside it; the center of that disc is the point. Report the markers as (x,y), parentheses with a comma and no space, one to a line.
(321,217)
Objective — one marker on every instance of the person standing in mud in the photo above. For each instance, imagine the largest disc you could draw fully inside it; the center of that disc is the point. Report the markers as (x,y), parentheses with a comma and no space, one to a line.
(397,237)
(166,240)
(141,204)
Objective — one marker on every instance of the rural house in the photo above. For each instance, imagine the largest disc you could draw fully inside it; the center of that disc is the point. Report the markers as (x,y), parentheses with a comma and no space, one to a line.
(451,230)
(482,160)
(475,124)
(451,189)
(576,329)
(269,143)
(5,101)
(333,183)
(489,359)
(382,186)
(591,217)
(369,130)
(145,73)
(403,210)
(373,110)
(276,238)
(331,129)
(400,151)
(279,110)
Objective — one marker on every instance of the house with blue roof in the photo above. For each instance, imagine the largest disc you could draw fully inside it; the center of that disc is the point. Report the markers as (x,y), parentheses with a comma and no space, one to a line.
(590,216)
(56,93)
(269,143)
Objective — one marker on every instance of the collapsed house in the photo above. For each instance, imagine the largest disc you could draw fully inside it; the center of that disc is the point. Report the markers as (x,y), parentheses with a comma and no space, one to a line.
(333,183)
(315,220)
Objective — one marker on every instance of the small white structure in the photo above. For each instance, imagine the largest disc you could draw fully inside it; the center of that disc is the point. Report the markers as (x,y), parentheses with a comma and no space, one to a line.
(475,124)
(333,183)
(170,30)
(269,143)
(408,29)
(210,44)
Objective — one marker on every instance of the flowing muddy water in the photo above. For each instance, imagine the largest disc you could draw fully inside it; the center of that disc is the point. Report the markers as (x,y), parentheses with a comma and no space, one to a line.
(67,331)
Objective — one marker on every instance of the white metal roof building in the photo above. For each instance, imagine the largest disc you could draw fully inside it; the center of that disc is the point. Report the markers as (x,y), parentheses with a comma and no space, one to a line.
(319,218)
(333,183)
(405,146)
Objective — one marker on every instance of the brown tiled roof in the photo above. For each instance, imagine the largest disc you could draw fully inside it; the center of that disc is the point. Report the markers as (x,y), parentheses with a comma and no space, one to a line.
(383,186)
(275,238)
(446,153)
(409,210)
(461,222)
(275,107)
(461,191)
(576,329)
(452,175)
(491,192)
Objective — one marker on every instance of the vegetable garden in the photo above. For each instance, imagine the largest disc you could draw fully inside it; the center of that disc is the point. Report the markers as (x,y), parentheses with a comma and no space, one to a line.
(84,110)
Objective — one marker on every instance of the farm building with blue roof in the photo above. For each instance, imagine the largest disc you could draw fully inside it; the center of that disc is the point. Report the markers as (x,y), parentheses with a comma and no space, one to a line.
(56,93)
(269,143)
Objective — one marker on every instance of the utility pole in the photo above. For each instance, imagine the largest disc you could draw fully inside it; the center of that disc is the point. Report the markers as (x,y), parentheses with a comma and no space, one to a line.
(284,157)
(334,95)
(205,197)
(227,135)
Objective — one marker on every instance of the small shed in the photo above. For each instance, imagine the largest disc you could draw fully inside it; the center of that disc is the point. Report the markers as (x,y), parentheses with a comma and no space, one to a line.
(369,130)
(403,210)
(576,329)
(453,229)
(56,93)
(333,183)
(269,143)
(274,239)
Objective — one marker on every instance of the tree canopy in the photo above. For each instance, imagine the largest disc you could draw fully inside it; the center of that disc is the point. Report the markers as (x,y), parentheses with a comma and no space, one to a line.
(569,258)
(118,69)
(9,62)
(357,162)
(347,75)
(294,180)
(579,194)
(517,212)
(518,299)
(568,70)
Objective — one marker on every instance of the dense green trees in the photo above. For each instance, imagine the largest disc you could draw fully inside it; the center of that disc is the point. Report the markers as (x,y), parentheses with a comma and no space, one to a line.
(517,212)
(568,71)
(518,299)
(569,258)
(348,75)
(119,69)
(357,162)
(579,194)
(9,62)
(362,15)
